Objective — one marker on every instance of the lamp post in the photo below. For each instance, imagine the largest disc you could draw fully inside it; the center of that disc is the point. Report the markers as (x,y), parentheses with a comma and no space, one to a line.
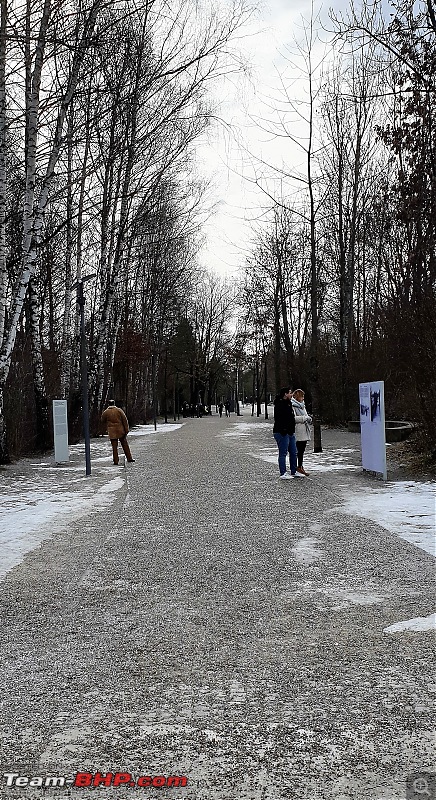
(84,371)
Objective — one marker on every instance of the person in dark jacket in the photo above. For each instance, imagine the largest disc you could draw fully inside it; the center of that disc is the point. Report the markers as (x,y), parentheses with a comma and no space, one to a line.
(284,432)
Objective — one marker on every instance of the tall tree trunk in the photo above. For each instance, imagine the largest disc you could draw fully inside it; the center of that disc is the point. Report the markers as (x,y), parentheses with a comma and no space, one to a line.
(277,349)
(314,339)
(33,218)
(4,454)
(3,176)
(116,269)
(41,402)
(66,347)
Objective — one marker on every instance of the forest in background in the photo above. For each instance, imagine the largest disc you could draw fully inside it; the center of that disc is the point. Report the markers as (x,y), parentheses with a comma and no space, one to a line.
(101,106)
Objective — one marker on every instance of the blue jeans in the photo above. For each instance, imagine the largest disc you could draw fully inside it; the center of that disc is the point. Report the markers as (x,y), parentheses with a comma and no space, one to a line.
(286,444)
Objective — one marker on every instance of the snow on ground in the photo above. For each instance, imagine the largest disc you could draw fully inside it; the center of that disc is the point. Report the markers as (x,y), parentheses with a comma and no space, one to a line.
(327,461)
(30,516)
(306,551)
(404,507)
(162,427)
(43,500)
(244,429)
(416,624)
(407,508)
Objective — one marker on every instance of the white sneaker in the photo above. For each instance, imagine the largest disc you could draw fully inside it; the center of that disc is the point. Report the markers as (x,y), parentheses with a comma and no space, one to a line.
(286,476)
(298,475)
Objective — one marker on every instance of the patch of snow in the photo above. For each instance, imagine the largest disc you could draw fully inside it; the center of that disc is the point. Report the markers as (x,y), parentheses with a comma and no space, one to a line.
(416,624)
(165,729)
(162,427)
(267,454)
(344,598)
(42,505)
(327,461)
(30,517)
(330,460)
(306,551)
(406,508)
(336,597)
(243,429)
(211,735)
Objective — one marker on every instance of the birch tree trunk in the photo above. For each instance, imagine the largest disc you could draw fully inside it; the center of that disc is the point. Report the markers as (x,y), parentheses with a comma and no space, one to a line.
(66,347)
(108,324)
(3,176)
(33,213)
(4,455)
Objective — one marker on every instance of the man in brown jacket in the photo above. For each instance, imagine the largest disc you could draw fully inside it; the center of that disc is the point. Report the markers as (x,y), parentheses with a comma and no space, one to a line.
(117,427)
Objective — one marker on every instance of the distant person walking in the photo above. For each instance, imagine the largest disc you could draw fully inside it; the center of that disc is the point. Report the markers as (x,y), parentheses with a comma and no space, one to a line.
(284,432)
(302,429)
(227,407)
(117,426)
(220,409)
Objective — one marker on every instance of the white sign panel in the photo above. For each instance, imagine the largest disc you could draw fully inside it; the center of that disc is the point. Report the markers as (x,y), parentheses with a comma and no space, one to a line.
(60,429)
(372,426)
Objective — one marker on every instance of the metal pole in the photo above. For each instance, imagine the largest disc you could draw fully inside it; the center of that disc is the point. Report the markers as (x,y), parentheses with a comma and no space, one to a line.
(153,368)
(178,394)
(266,390)
(84,377)
(165,385)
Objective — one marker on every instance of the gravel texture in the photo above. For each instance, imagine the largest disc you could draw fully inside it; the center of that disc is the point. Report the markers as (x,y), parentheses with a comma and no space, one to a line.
(218,623)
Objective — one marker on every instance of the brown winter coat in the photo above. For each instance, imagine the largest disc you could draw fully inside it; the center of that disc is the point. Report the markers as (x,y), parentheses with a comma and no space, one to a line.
(116,421)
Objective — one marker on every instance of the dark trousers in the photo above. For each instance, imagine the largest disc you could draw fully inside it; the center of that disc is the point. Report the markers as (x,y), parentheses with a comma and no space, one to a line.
(125,445)
(301,446)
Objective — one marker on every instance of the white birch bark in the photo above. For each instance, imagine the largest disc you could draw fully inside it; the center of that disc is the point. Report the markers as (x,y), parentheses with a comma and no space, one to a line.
(34,209)
(66,349)
(3,123)
(115,273)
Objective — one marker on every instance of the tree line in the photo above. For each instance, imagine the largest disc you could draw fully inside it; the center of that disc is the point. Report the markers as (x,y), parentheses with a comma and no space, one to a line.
(101,103)
(101,106)
(340,286)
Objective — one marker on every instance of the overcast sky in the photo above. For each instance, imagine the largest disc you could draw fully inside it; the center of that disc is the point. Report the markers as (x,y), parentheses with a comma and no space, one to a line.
(268,47)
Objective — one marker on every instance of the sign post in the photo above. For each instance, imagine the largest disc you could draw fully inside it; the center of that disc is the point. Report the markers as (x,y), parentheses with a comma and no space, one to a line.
(372,427)
(60,430)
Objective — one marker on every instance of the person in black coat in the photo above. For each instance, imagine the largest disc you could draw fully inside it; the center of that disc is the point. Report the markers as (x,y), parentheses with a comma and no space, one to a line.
(284,432)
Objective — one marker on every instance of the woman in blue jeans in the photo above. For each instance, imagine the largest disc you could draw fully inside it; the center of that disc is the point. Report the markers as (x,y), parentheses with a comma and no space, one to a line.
(284,432)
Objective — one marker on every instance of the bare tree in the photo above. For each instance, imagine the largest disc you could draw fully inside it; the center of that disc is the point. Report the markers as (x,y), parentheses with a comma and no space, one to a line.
(38,186)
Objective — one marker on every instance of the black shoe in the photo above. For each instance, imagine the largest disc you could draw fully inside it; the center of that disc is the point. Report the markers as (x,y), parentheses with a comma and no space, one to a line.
(130,460)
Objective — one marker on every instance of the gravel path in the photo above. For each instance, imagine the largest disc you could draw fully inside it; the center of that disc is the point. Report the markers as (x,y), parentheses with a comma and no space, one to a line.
(220,624)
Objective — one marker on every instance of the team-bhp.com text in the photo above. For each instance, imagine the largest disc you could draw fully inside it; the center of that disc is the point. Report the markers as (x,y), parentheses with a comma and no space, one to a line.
(84,780)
